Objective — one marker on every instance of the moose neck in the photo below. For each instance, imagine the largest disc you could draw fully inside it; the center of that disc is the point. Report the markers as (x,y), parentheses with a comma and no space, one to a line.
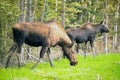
(66,52)
(97,28)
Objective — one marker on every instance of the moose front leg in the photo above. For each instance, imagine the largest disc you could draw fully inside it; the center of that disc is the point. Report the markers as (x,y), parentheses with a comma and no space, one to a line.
(92,46)
(77,47)
(50,59)
(85,49)
(42,52)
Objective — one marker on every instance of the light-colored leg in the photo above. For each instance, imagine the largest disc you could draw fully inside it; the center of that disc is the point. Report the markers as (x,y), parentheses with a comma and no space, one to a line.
(18,58)
(11,51)
(85,50)
(92,46)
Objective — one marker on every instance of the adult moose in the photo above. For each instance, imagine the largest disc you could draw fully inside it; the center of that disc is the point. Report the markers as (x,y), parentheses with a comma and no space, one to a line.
(87,33)
(41,34)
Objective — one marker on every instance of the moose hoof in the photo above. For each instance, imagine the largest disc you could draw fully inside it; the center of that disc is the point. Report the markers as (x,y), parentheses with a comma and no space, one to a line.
(73,63)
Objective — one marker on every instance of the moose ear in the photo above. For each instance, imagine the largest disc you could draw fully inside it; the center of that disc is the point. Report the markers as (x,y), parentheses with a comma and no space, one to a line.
(102,21)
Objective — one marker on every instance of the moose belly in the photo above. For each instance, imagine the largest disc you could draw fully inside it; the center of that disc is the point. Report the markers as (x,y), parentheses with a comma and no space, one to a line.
(81,39)
(34,40)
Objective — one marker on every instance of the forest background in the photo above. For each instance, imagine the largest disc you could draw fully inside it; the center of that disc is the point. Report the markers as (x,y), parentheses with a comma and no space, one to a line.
(70,13)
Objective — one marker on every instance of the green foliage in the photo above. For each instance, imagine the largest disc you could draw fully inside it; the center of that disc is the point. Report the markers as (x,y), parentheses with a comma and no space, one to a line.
(77,12)
(9,13)
(102,67)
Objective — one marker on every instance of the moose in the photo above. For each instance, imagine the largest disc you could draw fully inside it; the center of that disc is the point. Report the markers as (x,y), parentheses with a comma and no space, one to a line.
(87,33)
(46,35)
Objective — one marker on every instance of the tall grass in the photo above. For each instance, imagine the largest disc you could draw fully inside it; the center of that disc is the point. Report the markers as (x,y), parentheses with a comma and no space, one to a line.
(102,67)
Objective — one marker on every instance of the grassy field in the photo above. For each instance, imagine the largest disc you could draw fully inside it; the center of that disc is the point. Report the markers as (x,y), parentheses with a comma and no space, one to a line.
(102,67)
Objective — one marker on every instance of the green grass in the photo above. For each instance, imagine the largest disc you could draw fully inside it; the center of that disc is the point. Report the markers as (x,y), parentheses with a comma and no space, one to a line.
(102,67)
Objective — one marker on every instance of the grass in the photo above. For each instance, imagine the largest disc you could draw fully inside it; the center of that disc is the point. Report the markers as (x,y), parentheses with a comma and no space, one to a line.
(102,67)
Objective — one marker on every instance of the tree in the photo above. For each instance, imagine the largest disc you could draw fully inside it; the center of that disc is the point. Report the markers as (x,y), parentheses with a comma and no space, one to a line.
(8,16)
(115,36)
(73,12)
(43,12)
(106,19)
(63,13)
(30,16)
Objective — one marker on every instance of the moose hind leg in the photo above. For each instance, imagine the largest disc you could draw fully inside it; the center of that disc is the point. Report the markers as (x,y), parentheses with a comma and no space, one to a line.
(18,54)
(11,51)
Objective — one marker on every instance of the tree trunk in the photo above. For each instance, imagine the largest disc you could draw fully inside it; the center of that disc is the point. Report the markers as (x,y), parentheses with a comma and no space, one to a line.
(116,24)
(113,43)
(21,20)
(63,13)
(116,28)
(30,19)
(30,11)
(89,18)
(81,16)
(24,10)
(94,16)
(21,10)
(34,10)
(106,35)
(43,12)
(56,8)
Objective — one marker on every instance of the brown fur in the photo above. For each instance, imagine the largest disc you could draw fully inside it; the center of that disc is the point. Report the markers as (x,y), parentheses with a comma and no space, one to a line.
(88,26)
(41,34)
(58,33)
